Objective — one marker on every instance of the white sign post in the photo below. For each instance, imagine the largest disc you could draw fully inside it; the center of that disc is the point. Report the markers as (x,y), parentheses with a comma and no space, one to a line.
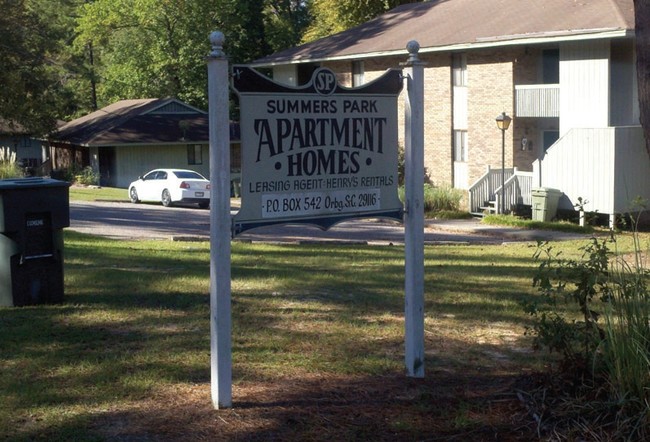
(414,214)
(320,154)
(220,225)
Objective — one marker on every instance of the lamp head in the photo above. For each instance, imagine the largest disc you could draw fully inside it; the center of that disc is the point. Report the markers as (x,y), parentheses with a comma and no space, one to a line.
(503,121)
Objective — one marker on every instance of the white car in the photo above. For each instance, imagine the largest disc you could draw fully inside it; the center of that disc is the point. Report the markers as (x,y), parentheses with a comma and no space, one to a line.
(171,186)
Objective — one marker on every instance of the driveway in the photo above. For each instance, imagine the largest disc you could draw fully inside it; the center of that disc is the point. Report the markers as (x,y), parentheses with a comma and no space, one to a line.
(152,221)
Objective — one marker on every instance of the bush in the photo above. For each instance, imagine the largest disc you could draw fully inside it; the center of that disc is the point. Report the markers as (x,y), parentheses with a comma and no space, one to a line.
(437,200)
(8,166)
(582,283)
(87,177)
(604,344)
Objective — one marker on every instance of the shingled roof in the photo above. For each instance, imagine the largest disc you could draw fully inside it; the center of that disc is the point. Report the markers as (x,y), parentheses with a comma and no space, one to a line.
(439,25)
(144,121)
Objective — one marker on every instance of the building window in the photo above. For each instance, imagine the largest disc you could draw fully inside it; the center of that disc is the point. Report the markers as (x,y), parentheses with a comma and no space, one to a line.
(551,66)
(459,69)
(460,146)
(549,137)
(194,154)
(357,73)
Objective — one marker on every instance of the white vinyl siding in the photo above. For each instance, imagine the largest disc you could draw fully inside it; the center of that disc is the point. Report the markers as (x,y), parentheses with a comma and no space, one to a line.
(584,85)
(601,166)
(624,100)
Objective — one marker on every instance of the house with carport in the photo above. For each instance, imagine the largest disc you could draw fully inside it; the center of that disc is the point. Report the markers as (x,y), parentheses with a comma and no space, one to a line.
(563,71)
(130,137)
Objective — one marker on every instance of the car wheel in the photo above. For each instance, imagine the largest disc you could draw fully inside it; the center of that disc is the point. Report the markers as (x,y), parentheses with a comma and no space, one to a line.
(166,198)
(204,205)
(133,195)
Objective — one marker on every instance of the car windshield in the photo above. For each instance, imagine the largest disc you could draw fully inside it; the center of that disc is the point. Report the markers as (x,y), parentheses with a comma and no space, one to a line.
(188,175)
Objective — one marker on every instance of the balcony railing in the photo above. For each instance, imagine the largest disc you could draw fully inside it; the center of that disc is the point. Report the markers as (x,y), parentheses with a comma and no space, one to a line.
(537,100)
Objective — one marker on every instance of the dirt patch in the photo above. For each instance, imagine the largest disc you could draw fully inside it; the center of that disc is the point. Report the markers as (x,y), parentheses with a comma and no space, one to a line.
(632,260)
(441,407)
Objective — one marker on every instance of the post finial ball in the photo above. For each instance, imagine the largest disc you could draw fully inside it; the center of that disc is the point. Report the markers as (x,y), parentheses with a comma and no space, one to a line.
(216,42)
(217,38)
(413,47)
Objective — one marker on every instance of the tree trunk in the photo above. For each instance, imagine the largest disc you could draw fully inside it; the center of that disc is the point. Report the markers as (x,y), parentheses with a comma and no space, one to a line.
(642,32)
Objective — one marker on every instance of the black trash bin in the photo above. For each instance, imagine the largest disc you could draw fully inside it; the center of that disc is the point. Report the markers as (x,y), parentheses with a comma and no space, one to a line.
(33,213)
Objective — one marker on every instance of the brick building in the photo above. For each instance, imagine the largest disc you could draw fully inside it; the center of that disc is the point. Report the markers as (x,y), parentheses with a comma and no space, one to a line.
(563,70)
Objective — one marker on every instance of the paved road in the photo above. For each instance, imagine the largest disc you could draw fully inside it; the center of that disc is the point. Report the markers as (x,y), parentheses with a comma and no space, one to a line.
(126,220)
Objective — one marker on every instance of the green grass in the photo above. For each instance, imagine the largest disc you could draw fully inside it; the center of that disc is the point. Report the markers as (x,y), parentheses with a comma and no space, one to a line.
(135,322)
(91,193)
(514,221)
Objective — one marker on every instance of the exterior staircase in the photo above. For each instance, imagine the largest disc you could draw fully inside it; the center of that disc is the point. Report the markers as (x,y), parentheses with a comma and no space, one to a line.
(485,193)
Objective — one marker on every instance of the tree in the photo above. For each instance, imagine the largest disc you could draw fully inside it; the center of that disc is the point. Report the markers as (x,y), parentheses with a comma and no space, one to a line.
(33,95)
(642,32)
(156,48)
(333,16)
(284,23)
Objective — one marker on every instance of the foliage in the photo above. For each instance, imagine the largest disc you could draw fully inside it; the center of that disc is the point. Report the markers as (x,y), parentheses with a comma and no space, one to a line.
(167,41)
(605,345)
(438,199)
(331,16)
(64,58)
(580,282)
(87,176)
(284,23)
(441,198)
(32,92)
(625,356)
(8,166)
(135,43)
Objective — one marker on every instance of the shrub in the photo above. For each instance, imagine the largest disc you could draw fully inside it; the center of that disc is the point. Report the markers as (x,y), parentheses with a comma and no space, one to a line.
(443,199)
(8,166)
(604,343)
(74,174)
(87,176)
(582,283)
(438,199)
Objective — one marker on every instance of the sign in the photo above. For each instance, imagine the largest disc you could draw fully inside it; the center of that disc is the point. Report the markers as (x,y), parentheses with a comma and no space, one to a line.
(319,153)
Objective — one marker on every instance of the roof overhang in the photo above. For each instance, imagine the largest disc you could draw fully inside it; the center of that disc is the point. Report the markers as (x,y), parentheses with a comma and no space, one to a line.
(483,43)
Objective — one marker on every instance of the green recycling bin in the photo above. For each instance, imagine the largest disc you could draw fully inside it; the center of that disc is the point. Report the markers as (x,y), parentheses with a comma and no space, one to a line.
(33,213)
(545,201)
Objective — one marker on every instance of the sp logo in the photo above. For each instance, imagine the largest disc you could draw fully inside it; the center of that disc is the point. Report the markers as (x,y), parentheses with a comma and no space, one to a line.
(324,81)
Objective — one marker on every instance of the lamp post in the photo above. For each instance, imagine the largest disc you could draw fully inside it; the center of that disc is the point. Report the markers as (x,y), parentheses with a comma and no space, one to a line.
(503,123)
